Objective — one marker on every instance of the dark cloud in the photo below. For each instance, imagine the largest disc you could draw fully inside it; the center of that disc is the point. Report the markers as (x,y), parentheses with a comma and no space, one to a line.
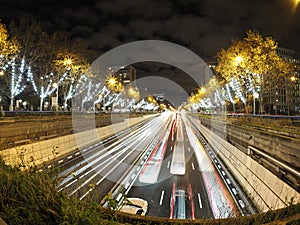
(203,26)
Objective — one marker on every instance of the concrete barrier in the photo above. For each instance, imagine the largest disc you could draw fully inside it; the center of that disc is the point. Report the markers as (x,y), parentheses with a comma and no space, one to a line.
(285,148)
(265,189)
(44,151)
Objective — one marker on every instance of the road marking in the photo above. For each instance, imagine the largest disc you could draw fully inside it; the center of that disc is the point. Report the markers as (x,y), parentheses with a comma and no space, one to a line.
(228,181)
(219,166)
(223,173)
(77,153)
(119,197)
(126,185)
(242,203)
(199,199)
(234,191)
(84,150)
(161,197)
(168,164)
(69,157)
(60,161)
(193,167)
(91,146)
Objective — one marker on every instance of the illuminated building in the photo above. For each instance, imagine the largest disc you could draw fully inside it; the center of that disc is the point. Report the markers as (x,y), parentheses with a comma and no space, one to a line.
(282,95)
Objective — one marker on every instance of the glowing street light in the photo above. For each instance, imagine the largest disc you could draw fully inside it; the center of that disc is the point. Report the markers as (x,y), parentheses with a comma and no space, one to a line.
(112,81)
(293,78)
(67,62)
(113,84)
(238,60)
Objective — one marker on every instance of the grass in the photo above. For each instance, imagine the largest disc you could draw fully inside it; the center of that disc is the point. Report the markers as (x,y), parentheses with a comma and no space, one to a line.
(30,197)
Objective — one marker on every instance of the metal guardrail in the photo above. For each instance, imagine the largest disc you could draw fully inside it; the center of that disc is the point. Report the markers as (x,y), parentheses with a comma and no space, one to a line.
(264,116)
(275,161)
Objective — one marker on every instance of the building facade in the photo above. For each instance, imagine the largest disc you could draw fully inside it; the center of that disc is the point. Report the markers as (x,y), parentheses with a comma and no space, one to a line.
(126,75)
(282,95)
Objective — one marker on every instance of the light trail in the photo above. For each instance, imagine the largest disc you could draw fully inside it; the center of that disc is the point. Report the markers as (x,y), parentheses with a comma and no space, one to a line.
(110,158)
(222,204)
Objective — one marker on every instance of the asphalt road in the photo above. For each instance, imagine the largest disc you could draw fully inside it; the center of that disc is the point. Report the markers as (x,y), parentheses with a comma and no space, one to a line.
(200,197)
(161,161)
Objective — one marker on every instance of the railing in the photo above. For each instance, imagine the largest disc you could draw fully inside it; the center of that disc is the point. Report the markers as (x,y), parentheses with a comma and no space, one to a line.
(281,165)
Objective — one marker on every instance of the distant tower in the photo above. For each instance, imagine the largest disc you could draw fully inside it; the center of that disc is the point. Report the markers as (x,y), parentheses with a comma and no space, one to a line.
(126,75)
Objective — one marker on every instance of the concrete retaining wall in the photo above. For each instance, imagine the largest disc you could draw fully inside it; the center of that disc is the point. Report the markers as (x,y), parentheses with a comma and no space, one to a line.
(265,189)
(284,148)
(41,152)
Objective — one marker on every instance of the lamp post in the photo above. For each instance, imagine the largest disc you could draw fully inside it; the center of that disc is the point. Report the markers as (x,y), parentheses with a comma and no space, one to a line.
(55,85)
(255,95)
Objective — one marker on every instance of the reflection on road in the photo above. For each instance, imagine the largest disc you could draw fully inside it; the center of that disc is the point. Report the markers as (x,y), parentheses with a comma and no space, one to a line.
(161,161)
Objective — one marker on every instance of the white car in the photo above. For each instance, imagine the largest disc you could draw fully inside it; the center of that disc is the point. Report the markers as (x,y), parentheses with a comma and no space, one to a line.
(136,206)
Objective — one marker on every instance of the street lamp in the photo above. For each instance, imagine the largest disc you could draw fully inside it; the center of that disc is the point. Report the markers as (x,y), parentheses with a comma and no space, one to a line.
(293,78)
(255,95)
(238,60)
(113,84)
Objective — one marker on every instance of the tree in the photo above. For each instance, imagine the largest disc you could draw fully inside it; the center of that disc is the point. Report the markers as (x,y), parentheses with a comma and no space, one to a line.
(252,62)
(89,91)
(8,47)
(12,74)
(71,65)
(55,61)
(38,49)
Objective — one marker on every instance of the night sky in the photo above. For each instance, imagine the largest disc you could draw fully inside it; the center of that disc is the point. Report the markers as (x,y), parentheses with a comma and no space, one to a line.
(203,26)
